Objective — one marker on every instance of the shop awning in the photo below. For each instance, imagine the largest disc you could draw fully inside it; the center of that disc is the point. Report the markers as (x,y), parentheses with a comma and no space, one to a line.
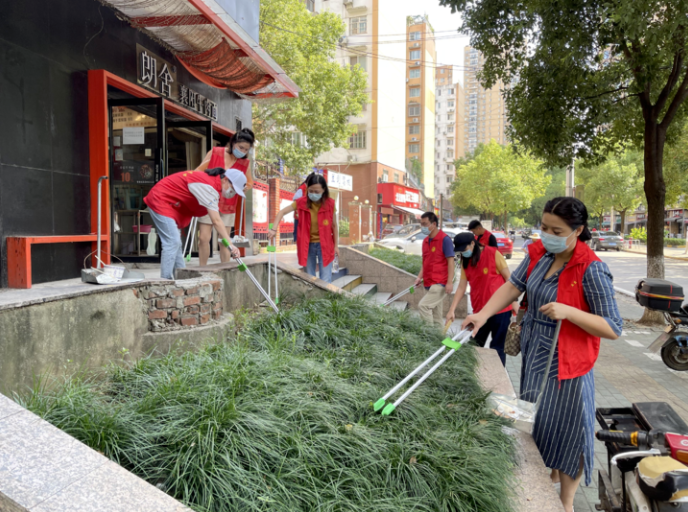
(412,211)
(211,45)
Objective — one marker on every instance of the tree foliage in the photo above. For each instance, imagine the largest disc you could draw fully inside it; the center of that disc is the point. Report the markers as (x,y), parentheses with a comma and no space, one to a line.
(304,45)
(499,181)
(556,188)
(585,77)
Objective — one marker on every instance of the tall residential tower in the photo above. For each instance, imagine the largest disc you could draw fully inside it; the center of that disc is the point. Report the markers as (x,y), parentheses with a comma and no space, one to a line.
(449,129)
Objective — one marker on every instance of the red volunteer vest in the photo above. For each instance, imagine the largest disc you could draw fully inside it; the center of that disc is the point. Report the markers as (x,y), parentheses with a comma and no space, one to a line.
(578,350)
(484,240)
(304,192)
(484,279)
(435,268)
(325,223)
(217,159)
(171,196)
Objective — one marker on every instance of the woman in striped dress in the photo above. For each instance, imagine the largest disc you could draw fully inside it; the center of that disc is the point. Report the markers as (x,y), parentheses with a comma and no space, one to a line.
(564,280)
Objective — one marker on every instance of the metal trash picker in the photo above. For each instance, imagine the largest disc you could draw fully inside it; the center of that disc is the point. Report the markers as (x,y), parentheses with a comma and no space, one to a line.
(272,258)
(411,289)
(243,268)
(190,234)
(451,343)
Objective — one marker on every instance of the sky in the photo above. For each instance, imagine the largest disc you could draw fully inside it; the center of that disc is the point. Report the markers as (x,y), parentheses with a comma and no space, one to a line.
(449,42)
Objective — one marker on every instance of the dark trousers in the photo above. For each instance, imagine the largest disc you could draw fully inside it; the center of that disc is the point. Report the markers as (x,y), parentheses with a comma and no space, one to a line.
(497,326)
(296,229)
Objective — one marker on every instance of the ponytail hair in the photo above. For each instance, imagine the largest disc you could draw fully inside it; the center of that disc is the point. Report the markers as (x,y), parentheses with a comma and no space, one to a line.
(243,135)
(475,257)
(573,212)
(217,171)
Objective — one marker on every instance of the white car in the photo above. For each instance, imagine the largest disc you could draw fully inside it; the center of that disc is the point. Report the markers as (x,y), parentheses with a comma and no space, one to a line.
(413,243)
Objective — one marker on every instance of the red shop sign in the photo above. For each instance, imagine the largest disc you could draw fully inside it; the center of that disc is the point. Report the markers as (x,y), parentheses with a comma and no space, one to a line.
(399,195)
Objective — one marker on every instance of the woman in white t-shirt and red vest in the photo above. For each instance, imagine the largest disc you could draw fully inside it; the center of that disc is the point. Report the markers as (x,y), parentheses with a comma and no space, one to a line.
(232,156)
(174,200)
(318,237)
(565,281)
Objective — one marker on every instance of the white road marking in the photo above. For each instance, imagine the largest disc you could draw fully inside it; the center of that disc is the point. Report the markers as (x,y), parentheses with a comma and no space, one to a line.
(634,343)
(654,357)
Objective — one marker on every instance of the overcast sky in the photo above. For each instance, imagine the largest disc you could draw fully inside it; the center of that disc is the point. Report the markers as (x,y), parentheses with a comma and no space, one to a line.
(449,42)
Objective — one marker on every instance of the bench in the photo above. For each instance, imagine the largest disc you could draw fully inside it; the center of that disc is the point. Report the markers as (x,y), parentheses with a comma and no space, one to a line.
(19,254)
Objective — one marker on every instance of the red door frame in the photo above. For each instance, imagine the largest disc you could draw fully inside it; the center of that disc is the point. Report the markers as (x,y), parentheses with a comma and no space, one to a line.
(98,139)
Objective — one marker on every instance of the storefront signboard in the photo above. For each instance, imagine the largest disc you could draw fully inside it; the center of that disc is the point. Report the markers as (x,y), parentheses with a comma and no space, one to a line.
(260,208)
(398,195)
(340,181)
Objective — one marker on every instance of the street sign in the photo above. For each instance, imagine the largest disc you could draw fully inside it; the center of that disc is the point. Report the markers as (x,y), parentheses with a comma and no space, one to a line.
(340,181)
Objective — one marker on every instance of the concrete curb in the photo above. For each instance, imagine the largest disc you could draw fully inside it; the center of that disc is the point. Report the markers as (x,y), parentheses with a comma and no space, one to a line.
(624,292)
(678,258)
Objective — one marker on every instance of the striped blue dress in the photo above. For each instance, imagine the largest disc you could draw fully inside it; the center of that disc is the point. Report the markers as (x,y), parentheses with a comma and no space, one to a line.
(565,427)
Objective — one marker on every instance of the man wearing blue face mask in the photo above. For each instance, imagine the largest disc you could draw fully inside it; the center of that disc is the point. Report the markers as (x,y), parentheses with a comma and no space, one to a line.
(437,272)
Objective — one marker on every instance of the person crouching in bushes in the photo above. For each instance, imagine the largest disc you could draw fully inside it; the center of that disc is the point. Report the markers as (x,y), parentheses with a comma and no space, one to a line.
(318,236)
(437,272)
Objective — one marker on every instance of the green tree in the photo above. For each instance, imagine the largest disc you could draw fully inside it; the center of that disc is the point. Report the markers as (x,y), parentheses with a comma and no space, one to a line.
(556,188)
(585,77)
(499,181)
(304,45)
(415,168)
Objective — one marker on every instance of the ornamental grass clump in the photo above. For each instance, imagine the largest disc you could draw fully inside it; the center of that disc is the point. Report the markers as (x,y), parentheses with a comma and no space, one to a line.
(408,262)
(280,418)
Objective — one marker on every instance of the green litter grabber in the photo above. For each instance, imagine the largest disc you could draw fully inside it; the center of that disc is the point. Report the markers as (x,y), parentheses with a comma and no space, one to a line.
(451,343)
(272,260)
(243,268)
(411,289)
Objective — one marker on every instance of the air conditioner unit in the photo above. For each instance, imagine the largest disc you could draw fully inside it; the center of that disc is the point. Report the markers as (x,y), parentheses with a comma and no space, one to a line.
(352,158)
(407,80)
(344,40)
(415,119)
(348,3)
(416,45)
(417,63)
(414,139)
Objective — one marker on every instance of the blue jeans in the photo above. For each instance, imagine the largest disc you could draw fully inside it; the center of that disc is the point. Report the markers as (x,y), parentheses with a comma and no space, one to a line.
(171,240)
(497,326)
(315,253)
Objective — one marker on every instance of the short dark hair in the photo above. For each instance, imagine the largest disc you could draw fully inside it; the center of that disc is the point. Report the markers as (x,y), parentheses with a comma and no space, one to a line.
(474,224)
(217,171)
(572,211)
(243,135)
(431,217)
(317,179)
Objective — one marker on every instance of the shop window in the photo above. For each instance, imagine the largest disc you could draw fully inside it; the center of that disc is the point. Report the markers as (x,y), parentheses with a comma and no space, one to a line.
(358,25)
(379,199)
(414,92)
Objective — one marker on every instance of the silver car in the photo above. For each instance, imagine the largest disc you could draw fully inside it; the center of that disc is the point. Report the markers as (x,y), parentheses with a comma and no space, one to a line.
(413,243)
(606,240)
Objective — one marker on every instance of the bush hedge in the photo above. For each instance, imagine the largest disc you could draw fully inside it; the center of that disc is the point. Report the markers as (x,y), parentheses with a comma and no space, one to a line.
(408,262)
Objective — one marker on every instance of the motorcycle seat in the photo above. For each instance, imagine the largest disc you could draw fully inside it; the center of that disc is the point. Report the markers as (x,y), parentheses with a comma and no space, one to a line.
(662,478)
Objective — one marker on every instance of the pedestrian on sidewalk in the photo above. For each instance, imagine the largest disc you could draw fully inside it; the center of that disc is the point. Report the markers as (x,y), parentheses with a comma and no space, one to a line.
(564,280)
(437,272)
(532,238)
(485,269)
(318,239)
(232,156)
(175,199)
(482,235)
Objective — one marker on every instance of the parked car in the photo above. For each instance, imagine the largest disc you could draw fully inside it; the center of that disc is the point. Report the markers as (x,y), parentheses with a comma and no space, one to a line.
(504,245)
(606,240)
(413,243)
(403,231)
(528,232)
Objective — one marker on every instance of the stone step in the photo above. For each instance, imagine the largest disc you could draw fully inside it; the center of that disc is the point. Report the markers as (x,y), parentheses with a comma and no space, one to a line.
(348,282)
(343,272)
(399,305)
(381,297)
(365,290)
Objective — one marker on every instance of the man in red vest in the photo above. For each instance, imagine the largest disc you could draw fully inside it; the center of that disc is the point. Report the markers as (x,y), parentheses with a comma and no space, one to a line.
(437,272)
(482,235)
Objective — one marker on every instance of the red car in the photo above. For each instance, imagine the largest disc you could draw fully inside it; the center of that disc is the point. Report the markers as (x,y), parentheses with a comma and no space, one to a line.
(504,245)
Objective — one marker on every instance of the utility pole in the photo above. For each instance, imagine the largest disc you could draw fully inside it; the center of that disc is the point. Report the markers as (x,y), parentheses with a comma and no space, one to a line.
(441,210)
(570,181)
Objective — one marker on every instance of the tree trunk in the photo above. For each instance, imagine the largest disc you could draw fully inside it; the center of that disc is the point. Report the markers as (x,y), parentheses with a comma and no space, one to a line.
(655,192)
(623,222)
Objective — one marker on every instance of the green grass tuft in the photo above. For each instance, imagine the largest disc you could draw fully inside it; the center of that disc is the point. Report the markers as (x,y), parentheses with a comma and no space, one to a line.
(281,419)
(408,262)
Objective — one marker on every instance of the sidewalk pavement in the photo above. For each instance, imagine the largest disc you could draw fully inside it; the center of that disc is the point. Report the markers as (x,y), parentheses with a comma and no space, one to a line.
(677,253)
(625,373)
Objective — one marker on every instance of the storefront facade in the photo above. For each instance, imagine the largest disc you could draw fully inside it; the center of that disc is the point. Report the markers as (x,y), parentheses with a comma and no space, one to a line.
(397,205)
(87,95)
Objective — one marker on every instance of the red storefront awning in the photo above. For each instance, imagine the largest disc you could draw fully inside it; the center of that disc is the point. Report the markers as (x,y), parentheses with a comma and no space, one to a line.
(211,45)
(395,195)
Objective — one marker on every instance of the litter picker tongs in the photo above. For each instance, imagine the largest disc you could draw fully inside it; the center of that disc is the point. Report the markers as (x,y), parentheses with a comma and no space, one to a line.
(451,343)
(411,289)
(243,268)
(190,235)
(272,260)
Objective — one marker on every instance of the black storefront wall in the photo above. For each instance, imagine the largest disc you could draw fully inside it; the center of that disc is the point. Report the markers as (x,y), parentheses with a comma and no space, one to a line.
(46,47)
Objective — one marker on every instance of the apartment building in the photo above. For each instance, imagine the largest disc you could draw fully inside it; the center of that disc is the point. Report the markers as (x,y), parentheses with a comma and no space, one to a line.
(420,97)
(449,128)
(485,110)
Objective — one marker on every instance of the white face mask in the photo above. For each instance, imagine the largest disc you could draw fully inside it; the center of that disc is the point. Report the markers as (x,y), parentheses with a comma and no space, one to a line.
(229,193)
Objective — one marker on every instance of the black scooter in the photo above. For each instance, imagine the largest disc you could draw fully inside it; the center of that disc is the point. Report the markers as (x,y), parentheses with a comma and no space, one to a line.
(667,297)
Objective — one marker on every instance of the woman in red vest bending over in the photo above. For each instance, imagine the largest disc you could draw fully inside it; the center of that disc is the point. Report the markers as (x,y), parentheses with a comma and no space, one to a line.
(485,269)
(174,200)
(232,156)
(566,281)
(318,238)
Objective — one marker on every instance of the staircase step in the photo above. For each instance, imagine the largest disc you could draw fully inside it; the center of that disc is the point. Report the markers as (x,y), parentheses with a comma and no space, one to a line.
(343,272)
(381,297)
(399,305)
(348,283)
(365,290)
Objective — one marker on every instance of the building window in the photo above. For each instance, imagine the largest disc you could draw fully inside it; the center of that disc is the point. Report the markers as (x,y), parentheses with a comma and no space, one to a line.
(414,36)
(449,179)
(450,153)
(439,92)
(450,142)
(439,142)
(414,92)
(450,167)
(414,110)
(310,5)
(414,148)
(450,128)
(396,177)
(451,92)
(449,117)
(360,60)
(358,25)
(238,124)
(385,176)
(414,129)
(450,104)
(358,140)
(414,73)
(415,54)
(441,71)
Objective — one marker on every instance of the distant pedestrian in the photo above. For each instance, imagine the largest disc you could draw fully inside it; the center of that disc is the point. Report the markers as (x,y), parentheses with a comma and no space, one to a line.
(437,272)
(532,238)
(564,280)
(482,235)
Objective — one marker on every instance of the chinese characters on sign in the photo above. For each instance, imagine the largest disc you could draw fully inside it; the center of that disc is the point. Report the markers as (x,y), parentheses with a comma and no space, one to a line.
(340,181)
(161,76)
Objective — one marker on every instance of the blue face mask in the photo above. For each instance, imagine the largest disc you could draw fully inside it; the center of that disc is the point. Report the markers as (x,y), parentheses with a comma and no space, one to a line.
(314,197)
(467,254)
(553,243)
(238,153)
(424,230)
